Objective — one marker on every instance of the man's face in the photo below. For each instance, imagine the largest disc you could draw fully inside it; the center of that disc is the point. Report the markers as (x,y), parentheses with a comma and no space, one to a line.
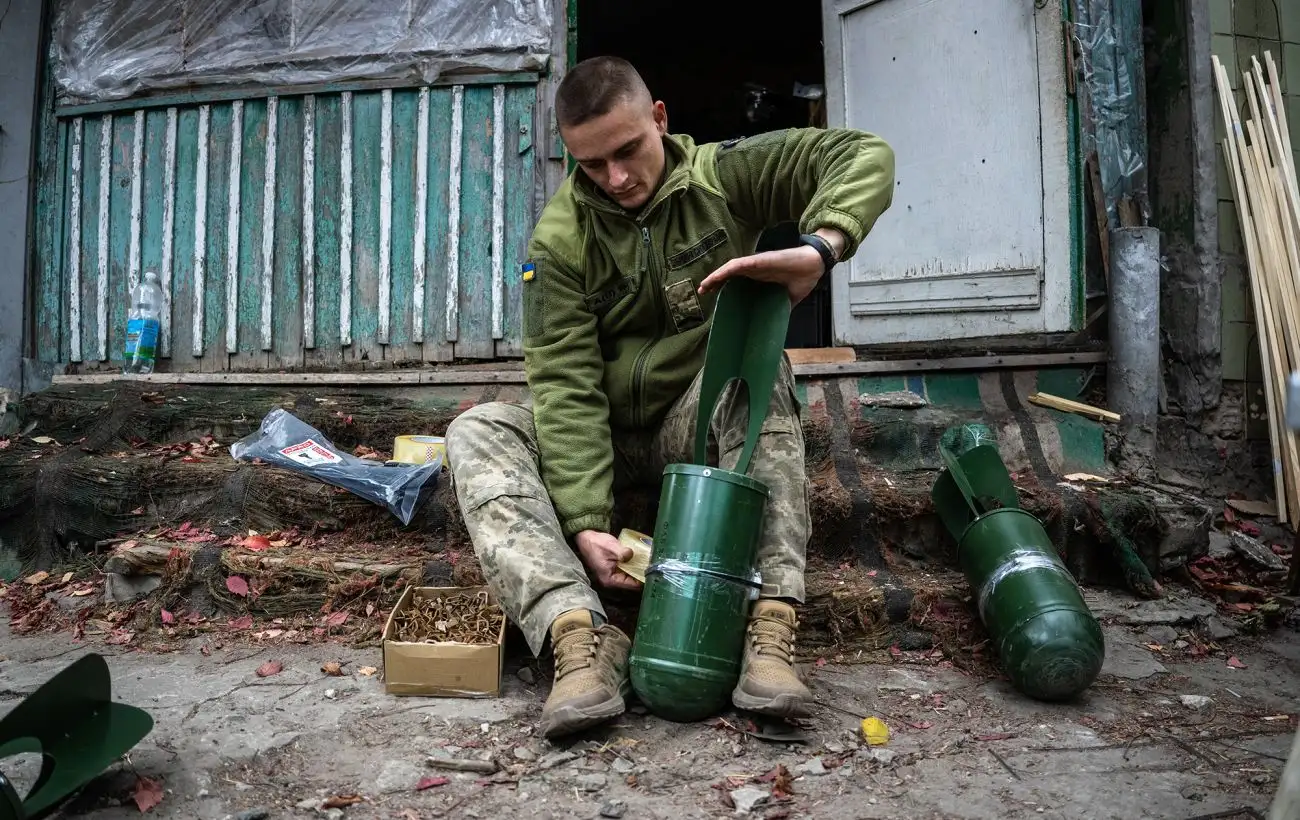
(622,151)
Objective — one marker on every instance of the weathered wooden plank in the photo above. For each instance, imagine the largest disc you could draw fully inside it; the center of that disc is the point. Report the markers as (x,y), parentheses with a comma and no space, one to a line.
(202,174)
(406,106)
(456,150)
(520,168)
(475,252)
(120,233)
(168,228)
(498,211)
(436,348)
(251,231)
(384,307)
(234,212)
(152,187)
(328,351)
(220,158)
(72,254)
(287,304)
(346,222)
(89,244)
(309,221)
(366,151)
(271,138)
(51,198)
(137,204)
(186,209)
(102,259)
(419,264)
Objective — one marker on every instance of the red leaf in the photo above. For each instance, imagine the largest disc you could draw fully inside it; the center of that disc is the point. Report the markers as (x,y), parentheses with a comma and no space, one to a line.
(1248,527)
(871,574)
(430,782)
(924,724)
(184,528)
(270,668)
(895,651)
(242,622)
(1229,515)
(1236,664)
(237,586)
(821,662)
(337,618)
(148,793)
(4,442)
(256,543)
(168,618)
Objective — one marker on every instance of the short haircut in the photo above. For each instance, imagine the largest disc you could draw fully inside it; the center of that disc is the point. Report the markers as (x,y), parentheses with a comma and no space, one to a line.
(593,87)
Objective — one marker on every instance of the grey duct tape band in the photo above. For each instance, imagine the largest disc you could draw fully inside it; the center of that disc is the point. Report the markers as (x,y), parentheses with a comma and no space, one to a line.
(672,567)
(1018,561)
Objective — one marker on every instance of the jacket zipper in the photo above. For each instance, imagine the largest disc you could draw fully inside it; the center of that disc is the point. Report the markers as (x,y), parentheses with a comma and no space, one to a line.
(639,366)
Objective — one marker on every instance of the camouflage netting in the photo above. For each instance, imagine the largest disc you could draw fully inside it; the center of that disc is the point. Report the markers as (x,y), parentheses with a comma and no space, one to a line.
(130,459)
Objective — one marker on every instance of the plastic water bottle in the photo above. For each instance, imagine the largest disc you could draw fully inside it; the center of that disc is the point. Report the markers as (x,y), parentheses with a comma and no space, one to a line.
(143,325)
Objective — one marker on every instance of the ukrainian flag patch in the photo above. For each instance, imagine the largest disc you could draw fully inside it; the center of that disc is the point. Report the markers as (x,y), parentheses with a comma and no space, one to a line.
(528,271)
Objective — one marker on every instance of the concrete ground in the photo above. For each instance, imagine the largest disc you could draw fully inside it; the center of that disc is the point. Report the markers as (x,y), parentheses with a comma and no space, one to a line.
(304,744)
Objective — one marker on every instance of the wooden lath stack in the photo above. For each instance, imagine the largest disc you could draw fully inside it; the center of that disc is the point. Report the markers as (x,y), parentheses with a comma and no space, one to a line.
(1262,170)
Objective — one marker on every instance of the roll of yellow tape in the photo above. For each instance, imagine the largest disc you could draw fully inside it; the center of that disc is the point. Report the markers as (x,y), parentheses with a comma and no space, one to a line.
(641,545)
(419,449)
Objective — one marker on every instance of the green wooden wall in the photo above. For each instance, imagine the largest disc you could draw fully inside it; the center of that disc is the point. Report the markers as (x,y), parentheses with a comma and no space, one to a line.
(300,231)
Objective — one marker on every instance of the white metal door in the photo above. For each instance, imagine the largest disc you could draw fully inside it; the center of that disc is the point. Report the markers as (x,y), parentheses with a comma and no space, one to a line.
(971,96)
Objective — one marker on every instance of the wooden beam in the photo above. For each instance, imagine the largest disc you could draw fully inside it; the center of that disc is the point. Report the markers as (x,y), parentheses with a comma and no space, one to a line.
(1076,407)
(507,374)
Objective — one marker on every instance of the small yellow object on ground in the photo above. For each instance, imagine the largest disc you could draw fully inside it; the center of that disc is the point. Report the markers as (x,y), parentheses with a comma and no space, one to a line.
(641,546)
(419,449)
(875,731)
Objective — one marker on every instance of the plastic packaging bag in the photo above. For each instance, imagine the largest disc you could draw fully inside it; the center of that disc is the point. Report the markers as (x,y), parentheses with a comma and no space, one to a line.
(286,441)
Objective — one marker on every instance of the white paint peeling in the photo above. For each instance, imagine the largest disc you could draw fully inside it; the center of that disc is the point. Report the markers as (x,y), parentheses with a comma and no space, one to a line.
(74,244)
(419,251)
(453,212)
(309,222)
(345,228)
(232,227)
(168,226)
(105,185)
(385,214)
(268,217)
(137,191)
(200,229)
(498,210)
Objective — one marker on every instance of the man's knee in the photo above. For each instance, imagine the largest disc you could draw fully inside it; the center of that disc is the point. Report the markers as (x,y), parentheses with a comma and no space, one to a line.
(488,427)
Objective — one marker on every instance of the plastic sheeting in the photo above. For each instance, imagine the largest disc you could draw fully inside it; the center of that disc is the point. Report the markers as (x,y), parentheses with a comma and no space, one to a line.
(111,49)
(1109,36)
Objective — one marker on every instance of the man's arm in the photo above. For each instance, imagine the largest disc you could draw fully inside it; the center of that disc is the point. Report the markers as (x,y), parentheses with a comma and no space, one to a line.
(564,368)
(836,178)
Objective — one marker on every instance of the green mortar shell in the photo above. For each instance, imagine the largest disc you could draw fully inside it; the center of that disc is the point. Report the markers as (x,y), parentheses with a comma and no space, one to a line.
(1047,640)
(690,632)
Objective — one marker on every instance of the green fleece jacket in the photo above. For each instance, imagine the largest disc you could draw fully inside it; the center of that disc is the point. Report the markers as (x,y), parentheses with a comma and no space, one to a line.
(614,331)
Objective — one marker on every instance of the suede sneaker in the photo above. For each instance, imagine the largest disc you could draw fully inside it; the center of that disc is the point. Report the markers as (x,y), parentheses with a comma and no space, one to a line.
(591,674)
(768,682)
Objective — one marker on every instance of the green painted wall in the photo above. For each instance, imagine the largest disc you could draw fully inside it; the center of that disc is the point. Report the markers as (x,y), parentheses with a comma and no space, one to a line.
(1242,29)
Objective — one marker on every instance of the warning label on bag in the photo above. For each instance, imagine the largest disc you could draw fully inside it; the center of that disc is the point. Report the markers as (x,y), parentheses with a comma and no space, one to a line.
(311,453)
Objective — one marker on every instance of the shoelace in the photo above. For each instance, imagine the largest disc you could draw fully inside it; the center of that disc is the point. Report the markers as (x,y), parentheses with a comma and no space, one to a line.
(575,650)
(773,637)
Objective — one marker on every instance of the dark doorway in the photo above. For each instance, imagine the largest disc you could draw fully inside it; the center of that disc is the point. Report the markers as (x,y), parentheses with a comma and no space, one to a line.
(725,69)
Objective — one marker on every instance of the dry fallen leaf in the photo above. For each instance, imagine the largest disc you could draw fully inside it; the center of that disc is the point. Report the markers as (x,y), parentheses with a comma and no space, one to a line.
(242,622)
(367,671)
(256,543)
(148,793)
(237,586)
(409,814)
(37,578)
(430,782)
(42,439)
(270,668)
(332,668)
(340,801)
(1236,664)
(67,576)
(82,592)
(337,618)
(167,617)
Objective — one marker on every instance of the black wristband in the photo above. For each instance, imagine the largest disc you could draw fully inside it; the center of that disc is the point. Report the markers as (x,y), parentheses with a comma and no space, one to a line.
(822,247)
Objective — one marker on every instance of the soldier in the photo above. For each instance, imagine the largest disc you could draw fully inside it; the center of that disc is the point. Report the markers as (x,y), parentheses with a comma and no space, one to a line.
(619,286)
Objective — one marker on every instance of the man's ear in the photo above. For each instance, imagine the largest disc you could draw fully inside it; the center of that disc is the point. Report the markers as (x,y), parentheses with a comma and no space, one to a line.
(661,117)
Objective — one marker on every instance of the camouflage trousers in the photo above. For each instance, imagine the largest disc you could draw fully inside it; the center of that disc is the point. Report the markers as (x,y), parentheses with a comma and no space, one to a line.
(492,454)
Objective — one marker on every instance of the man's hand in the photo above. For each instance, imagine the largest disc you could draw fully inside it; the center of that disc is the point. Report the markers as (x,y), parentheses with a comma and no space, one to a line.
(799,269)
(602,552)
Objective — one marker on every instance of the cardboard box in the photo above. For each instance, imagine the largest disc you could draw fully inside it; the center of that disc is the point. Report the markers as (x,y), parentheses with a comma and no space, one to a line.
(447,670)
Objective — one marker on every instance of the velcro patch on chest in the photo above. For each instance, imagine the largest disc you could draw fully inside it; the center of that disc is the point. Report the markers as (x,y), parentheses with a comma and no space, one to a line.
(699,250)
(600,302)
